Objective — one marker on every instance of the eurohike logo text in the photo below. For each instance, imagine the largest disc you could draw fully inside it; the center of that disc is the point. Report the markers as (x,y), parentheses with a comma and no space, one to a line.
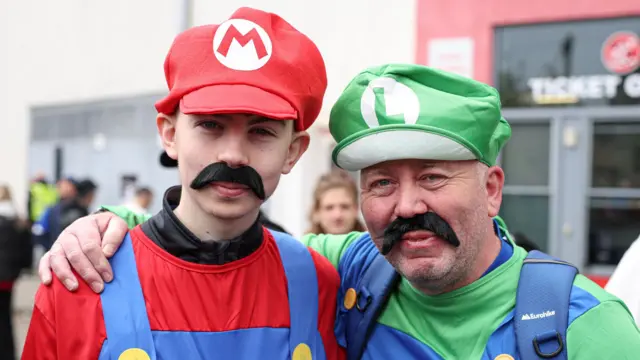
(541,315)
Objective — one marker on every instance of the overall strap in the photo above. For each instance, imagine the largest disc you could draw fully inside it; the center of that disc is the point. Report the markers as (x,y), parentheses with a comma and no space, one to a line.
(124,310)
(302,287)
(542,307)
(371,295)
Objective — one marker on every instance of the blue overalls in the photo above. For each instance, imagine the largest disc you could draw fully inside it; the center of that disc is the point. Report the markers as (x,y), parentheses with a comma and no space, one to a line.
(129,336)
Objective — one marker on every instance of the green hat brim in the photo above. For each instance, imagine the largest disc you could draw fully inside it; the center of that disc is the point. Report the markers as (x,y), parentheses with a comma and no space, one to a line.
(400,142)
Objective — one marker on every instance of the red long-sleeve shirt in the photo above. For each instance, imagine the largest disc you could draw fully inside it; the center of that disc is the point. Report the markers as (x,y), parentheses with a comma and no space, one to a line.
(181,296)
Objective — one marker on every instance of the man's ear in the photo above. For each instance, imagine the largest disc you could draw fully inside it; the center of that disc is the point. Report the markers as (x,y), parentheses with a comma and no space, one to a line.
(167,129)
(299,144)
(494,185)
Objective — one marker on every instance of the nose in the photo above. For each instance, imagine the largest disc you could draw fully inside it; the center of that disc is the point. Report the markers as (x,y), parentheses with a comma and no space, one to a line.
(337,214)
(233,152)
(409,203)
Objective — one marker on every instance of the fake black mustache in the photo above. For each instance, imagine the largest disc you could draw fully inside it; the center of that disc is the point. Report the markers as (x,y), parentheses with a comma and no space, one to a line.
(221,172)
(429,221)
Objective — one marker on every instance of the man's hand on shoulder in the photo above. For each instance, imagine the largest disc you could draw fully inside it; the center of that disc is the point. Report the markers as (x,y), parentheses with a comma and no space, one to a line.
(85,245)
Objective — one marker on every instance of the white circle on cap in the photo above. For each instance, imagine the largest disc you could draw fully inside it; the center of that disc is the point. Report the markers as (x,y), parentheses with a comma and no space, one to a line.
(399,99)
(242,45)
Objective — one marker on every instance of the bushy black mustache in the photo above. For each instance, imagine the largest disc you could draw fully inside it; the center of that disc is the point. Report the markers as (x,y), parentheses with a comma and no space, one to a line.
(221,172)
(429,221)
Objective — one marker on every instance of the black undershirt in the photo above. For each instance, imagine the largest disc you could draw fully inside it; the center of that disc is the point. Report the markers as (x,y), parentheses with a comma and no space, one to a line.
(166,231)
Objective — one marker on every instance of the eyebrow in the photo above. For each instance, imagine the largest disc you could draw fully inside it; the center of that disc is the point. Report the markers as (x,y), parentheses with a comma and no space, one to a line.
(261,120)
(425,165)
(430,165)
(257,119)
(377,172)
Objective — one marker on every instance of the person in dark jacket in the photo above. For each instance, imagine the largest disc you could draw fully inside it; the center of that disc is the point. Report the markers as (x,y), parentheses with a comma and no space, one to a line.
(41,229)
(524,242)
(65,212)
(15,255)
(76,208)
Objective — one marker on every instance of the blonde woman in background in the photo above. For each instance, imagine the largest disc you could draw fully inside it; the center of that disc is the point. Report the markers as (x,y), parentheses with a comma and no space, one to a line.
(335,205)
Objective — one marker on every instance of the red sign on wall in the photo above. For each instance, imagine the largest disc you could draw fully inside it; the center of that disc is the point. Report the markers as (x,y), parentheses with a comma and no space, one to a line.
(621,52)
(476,20)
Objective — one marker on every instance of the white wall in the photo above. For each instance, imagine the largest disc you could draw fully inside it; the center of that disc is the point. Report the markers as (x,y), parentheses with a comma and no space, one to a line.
(72,51)
(76,50)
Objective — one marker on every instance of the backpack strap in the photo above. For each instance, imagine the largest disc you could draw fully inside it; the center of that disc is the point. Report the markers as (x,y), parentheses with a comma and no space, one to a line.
(542,307)
(372,293)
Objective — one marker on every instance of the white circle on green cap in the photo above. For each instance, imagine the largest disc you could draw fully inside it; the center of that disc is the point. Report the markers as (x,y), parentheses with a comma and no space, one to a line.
(398,99)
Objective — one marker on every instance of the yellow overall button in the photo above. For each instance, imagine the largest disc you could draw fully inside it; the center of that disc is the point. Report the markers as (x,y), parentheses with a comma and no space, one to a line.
(301,352)
(504,357)
(350,298)
(134,354)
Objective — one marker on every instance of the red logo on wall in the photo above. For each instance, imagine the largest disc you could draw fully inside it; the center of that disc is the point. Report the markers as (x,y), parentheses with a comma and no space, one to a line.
(621,52)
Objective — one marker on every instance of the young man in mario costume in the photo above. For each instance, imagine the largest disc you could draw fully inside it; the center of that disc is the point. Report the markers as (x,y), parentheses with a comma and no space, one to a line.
(203,279)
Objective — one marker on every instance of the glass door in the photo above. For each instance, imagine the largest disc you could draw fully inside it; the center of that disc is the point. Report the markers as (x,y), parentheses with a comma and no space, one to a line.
(527,162)
(572,182)
(613,197)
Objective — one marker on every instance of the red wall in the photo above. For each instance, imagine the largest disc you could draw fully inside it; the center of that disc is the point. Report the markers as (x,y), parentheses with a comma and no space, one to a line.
(476,19)
(600,280)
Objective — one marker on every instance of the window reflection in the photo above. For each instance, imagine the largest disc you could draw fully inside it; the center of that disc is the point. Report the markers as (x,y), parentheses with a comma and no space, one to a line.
(556,61)
(616,156)
(525,158)
(614,225)
(528,215)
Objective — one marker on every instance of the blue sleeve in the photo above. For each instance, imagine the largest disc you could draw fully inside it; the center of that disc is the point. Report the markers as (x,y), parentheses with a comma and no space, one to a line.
(353,264)
(43,221)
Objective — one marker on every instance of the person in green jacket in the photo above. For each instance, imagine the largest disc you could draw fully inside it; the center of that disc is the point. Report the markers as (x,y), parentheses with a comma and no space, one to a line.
(41,196)
(425,142)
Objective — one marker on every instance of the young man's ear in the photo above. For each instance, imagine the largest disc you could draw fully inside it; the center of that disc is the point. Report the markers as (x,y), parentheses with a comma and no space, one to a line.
(167,129)
(299,144)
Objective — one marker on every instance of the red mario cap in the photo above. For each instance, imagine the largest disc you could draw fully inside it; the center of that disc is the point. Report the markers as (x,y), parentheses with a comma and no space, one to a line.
(255,62)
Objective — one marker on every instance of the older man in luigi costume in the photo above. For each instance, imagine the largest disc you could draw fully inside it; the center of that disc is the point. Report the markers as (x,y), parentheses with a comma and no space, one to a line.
(437,276)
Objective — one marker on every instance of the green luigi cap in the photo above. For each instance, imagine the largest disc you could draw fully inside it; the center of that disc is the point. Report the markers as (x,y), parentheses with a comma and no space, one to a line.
(406,111)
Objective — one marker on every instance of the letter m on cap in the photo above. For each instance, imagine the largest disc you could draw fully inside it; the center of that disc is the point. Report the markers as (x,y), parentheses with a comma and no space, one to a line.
(243,40)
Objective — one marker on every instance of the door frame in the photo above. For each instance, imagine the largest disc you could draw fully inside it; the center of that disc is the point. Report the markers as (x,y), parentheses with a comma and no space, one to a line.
(569,187)
(624,115)
(539,116)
